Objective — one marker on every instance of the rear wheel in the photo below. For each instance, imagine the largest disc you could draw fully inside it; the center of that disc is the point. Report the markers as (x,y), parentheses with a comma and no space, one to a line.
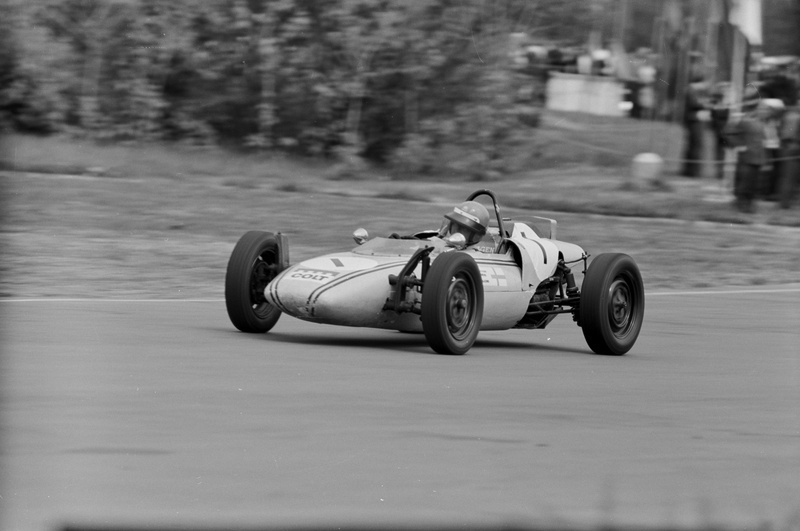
(452,303)
(612,304)
(253,264)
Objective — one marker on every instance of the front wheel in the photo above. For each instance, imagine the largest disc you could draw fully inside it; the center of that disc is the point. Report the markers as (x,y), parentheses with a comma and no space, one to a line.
(254,262)
(612,304)
(452,303)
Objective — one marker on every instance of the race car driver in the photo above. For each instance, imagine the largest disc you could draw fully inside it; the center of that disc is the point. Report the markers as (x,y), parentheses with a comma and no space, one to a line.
(470,219)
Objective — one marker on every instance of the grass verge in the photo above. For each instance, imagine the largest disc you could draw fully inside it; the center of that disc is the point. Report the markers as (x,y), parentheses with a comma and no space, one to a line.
(160,221)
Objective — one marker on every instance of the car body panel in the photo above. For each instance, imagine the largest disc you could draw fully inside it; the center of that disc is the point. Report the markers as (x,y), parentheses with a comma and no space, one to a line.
(352,288)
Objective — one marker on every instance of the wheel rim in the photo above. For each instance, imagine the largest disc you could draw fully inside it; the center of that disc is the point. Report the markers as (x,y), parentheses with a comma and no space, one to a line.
(460,308)
(620,307)
(263,273)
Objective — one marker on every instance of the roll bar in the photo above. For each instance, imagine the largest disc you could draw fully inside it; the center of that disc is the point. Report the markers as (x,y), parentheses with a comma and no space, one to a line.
(484,191)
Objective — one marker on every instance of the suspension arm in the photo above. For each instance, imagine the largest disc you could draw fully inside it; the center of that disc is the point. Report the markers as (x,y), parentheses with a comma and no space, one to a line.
(406,279)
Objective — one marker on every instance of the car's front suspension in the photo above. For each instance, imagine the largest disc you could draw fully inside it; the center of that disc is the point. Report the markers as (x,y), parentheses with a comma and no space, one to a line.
(407,279)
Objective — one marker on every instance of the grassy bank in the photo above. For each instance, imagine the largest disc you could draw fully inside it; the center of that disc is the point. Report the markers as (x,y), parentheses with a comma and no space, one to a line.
(572,163)
(83,219)
(164,227)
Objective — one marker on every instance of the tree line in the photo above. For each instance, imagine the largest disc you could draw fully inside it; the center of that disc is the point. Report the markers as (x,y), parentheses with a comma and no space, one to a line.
(375,78)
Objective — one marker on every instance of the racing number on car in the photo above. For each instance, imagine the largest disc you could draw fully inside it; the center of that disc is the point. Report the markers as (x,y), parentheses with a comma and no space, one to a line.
(313,275)
(493,276)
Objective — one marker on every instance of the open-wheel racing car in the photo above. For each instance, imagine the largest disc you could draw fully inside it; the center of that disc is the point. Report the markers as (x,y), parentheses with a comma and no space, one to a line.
(472,274)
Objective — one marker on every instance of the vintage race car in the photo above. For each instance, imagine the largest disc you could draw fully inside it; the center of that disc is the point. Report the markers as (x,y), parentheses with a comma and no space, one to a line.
(517,276)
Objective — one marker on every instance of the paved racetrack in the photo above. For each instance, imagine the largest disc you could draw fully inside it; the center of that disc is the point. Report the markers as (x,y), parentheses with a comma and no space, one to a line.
(158,413)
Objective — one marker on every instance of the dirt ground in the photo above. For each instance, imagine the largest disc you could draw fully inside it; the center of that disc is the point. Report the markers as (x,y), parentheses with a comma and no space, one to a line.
(100,236)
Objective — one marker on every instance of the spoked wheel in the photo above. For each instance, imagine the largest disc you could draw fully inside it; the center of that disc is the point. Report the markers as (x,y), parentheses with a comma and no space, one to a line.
(254,262)
(612,304)
(452,303)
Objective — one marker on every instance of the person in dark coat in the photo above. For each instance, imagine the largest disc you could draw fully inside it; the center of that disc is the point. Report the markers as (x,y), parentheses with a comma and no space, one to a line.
(746,133)
(790,153)
(720,112)
(693,122)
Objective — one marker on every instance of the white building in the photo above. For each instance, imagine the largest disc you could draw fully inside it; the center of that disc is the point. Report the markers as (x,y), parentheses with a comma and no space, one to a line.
(746,14)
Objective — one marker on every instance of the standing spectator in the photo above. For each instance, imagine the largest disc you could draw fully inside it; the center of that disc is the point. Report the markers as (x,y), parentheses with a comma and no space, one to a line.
(746,133)
(646,74)
(720,112)
(771,172)
(790,153)
(693,113)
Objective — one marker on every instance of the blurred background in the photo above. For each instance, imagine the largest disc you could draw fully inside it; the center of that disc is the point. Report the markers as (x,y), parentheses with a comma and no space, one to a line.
(432,87)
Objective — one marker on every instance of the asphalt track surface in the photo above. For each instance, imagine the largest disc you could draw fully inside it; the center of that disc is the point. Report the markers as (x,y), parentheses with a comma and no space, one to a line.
(159,413)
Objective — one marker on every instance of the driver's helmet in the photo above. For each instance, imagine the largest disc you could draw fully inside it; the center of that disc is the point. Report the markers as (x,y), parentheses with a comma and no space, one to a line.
(470,218)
